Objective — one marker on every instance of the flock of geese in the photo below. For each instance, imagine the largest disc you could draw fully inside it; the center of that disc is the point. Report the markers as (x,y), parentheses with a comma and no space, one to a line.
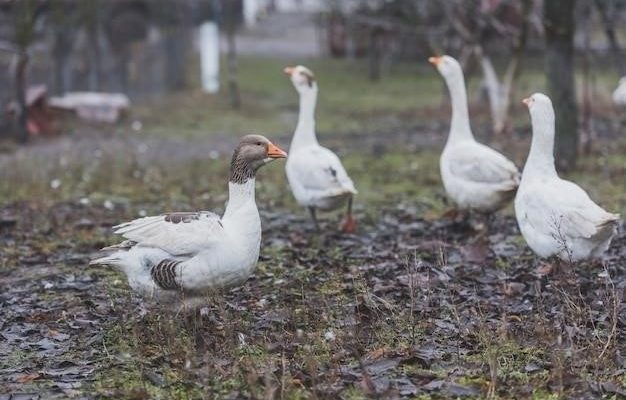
(195,252)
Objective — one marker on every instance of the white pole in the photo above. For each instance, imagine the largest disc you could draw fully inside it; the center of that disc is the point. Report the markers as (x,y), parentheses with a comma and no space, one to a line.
(210,56)
(250,10)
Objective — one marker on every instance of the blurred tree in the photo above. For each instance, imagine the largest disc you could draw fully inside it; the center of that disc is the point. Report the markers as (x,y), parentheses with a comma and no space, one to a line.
(126,23)
(89,11)
(477,23)
(559,28)
(174,18)
(608,14)
(26,13)
(231,13)
(65,23)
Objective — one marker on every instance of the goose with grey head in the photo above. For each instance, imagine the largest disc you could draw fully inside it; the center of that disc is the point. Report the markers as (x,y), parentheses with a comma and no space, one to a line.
(192,253)
(316,176)
(475,177)
(556,216)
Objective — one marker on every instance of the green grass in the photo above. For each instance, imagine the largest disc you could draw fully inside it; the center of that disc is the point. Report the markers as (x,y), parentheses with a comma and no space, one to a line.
(408,94)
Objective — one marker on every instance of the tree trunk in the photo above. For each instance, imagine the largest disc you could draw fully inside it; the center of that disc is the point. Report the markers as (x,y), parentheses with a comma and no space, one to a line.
(233,85)
(230,22)
(93,52)
(374,54)
(21,112)
(559,33)
(588,134)
(608,20)
(62,67)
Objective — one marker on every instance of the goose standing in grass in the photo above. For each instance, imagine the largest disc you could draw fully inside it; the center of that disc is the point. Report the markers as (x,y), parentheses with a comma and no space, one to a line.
(557,217)
(316,176)
(194,252)
(475,176)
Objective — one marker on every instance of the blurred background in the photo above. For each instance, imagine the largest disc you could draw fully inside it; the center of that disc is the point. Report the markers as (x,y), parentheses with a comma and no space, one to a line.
(136,79)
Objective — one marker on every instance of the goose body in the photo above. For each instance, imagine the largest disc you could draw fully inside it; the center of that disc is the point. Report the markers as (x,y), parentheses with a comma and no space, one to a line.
(619,95)
(475,176)
(316,175)
(195,252)
(556,216)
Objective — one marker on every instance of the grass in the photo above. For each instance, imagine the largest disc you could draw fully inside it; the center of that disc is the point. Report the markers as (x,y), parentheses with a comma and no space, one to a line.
(409,94)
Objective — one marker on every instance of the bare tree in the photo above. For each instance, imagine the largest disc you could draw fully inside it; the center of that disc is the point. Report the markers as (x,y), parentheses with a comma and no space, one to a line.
(64,25)
(559,28)
(230,21)
(89,11)
(475,25)
(608,15)
(26,13)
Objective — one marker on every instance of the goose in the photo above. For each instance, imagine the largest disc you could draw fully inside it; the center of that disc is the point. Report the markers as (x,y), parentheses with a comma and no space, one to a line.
(316,176)
(557,217)
(196,252)
(619,95)
(475,177)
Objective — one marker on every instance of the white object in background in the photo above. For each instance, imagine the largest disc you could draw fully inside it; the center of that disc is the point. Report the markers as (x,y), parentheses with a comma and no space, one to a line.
(250,11)
(93,106)
(619,95)
(210,57)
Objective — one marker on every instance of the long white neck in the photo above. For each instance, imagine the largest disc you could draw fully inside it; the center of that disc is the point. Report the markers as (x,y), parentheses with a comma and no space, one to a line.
(305,130)
(460,125)
(541,156)
(240,198)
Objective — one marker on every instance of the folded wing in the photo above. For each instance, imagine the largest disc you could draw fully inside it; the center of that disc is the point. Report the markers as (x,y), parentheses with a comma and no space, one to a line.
(481,164)
(321,173)
(179,233)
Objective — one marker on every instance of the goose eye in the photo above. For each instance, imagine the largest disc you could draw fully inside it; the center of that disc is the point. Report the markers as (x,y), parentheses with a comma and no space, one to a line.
(259,143)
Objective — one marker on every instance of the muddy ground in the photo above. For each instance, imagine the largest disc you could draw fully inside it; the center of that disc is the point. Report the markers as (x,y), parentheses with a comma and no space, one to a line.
(414,305)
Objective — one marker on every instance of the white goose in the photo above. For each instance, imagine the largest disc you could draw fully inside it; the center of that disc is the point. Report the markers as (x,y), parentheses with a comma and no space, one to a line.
(557,217)
(316,176)
(619,95)
(475,176)
(193,252)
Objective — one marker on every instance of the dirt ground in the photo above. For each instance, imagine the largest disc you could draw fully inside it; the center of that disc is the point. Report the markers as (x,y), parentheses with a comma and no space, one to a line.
(414,305)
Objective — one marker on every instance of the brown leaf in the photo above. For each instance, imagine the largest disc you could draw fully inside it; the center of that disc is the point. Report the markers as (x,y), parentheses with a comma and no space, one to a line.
(28,377)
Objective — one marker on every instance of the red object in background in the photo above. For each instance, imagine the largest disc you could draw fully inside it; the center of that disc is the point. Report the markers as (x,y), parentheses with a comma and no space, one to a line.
(39,120)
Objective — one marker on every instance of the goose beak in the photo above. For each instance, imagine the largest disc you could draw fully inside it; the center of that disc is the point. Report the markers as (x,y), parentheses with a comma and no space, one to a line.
(288,70)
(435,61)
(274,151)
(526,101)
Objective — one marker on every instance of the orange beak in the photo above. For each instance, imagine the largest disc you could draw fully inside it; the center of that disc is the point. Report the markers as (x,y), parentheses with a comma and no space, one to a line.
(274,151)
(288,70)
(526,101)
(435,61)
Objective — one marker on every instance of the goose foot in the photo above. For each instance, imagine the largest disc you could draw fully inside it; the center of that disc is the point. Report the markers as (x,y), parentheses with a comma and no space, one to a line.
(349,225)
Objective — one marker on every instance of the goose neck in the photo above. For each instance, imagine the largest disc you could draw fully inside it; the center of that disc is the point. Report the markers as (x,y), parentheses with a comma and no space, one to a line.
(460,125)
(305,129)
(239,195)
(541,155)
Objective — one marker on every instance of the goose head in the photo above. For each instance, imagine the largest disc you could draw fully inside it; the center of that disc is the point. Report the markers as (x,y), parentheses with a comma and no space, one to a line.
(302,78)
(252,152)
(447,66)
(540,108)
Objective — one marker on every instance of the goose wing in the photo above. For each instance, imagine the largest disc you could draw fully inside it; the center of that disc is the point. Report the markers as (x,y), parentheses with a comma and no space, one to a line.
(565,210)
(319,171)
(177,233)
(481,164)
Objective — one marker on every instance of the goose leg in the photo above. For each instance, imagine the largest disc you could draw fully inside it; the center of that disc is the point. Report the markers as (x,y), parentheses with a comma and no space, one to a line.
(314,218)
(349,224)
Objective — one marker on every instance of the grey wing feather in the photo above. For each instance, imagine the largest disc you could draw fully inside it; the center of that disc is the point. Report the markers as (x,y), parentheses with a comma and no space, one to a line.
(176,233)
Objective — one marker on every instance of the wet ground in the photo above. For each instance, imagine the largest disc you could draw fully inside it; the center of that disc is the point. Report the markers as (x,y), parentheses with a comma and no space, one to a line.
(407,307)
